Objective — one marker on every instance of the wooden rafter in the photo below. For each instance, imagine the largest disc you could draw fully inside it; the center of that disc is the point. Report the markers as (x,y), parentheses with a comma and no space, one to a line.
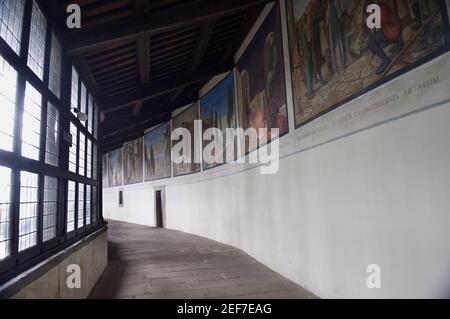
(178,16)
(164,87)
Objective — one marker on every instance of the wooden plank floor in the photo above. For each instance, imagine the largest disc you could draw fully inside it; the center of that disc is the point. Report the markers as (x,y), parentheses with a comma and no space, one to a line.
(146,262)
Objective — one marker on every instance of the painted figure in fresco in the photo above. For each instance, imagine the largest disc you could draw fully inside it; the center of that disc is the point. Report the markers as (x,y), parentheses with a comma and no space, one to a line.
(272,73)
(115,167)
(337,41)
(271,60)
(230,107)
(305,51)
(151,156)
(358,43)
(422,9)
(319,41)
(246,113)
(167,150)
(133,160)
(390,33)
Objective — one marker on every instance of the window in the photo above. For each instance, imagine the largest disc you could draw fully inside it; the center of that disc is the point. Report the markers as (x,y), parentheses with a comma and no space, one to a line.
(120,198)
(71,206)
(36,51)
(88,158)
(5,212)
(95,120)
(28,216)
(54,83)
(74,91)
(83,98)
(8,82)
(73,149)
(51,141)
(31,127)
(50,208)
(88,204)
(46,192)
(90,113)
(94,162)
(80,223)
(82,155)
(11,19)
(94,204)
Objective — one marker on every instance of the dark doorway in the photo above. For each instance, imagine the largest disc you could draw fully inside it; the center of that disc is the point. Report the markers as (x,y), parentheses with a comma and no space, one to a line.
(159,209)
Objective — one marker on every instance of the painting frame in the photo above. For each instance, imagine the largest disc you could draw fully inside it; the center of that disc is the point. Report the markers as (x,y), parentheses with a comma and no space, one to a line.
(195,144)
(278,15)
(105,169)
(228,75)
(129,163)
(119,152)
(169,124)
(444,8)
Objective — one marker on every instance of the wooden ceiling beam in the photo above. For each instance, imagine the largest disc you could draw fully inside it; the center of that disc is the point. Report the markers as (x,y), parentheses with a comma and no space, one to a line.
(121,132)
(116,67)
(177,16)
(141,8)
(111,54)
(117,81)
(201,45)
(122,72)
(164,87)
(130,56)
(170,57)
(121,90)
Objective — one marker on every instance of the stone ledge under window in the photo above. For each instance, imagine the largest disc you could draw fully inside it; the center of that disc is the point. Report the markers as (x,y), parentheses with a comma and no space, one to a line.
(47,279)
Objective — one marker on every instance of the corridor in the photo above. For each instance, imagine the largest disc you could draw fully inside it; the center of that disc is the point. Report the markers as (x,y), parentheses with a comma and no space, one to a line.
(146,262)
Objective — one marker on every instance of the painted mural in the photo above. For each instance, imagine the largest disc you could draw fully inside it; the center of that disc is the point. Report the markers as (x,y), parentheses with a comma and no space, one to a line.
(186,120)
(157,153)
(105,170)
(335,56)
(133,162)
(260,79)
(115,172)
(218,110)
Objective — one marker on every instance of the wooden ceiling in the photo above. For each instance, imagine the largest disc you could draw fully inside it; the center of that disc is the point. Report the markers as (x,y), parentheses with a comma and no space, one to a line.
(145,58)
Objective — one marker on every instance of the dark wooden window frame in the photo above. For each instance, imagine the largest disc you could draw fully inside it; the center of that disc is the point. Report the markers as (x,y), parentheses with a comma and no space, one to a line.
(18,262)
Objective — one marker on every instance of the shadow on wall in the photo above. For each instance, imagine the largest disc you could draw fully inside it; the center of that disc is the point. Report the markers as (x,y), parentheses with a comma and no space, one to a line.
(114,270)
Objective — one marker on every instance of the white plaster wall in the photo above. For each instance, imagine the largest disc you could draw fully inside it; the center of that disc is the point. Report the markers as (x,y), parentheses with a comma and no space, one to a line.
(138,205)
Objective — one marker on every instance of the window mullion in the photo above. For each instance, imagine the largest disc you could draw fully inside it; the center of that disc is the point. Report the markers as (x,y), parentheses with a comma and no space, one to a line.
(17,147)
(43,137)
(40,219)
(26,29)
(64,128)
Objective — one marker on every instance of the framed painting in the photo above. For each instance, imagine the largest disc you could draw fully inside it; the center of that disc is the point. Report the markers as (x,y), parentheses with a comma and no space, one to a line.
(133,162)
(186,120)
(157,153)
(218,110)
(261,87)
(336,57)
(115,169)
(105,170)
